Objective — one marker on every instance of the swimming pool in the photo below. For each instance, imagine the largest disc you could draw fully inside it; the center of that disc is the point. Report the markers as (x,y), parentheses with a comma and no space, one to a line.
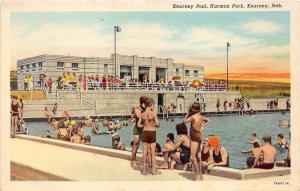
(234,131)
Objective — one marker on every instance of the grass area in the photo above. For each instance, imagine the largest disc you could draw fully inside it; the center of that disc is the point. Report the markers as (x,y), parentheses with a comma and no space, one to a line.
(257,89)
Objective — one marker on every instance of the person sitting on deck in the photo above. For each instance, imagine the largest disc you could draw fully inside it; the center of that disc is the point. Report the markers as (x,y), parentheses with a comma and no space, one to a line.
(206,155)
(254,139)
(267,155)
(168,145)
(181,151)
(255,152)
(220,154)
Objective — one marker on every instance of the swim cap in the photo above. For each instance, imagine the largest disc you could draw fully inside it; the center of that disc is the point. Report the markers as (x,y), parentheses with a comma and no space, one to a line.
(73,122)
(214,142)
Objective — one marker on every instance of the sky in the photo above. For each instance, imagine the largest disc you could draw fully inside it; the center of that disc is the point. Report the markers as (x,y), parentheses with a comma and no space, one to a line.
(259,40)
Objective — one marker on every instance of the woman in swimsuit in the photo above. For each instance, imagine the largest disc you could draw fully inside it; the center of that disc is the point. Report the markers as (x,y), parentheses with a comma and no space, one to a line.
(220,154)
(15,111)
(182,147)
(198,122)
(206,154)
(149,123)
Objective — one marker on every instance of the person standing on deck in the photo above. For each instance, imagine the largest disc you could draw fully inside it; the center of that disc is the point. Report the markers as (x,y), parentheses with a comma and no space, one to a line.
(198,122)
(137,132)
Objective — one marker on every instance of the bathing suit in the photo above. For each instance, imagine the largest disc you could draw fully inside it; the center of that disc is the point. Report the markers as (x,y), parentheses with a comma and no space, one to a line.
(218,158)
(265,165)
(137,130)
(15,109)
(204,156)
(185,154)
(195,135)
(148,136)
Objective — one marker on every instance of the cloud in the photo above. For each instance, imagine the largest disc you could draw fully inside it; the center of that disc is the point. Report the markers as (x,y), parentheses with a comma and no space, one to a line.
(261,26)
(197,45)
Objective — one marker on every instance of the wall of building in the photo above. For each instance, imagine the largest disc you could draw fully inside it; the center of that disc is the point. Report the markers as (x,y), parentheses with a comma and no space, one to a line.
(102,66)
(114,103)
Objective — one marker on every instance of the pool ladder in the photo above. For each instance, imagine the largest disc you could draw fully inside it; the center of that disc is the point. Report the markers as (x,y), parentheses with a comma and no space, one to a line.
(164,111)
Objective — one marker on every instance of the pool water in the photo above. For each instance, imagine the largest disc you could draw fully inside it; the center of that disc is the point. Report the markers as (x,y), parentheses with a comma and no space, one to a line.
(234,131)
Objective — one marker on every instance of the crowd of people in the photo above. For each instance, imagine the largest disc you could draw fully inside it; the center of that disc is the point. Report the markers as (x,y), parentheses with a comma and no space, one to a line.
(239,104)
(73,81)
(265,156)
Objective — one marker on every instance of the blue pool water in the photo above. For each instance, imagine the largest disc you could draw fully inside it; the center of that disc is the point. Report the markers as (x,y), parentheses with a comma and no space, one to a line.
(233,130)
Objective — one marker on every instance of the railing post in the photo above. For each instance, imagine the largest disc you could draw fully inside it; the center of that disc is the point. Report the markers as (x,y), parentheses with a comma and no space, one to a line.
(80,97)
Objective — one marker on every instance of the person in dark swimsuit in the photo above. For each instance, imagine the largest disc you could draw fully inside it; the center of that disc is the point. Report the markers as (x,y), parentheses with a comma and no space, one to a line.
(206,154)
(198,122)
(137,132)
(182,148)
(54,108)
(220,154)
(15,111)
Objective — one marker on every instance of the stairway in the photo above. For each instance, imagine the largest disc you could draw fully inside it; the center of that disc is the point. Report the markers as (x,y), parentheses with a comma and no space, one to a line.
(71,101)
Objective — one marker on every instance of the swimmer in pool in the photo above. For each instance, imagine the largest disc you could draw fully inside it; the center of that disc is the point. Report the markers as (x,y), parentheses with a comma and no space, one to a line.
(117,125)
(54,123)
(198,122)
(88,121)
(281,141)
(254,139)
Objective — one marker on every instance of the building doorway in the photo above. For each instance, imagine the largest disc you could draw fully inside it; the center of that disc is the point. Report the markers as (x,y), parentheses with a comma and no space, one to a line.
(125,71)
(160,102)
(160,74)
(144,73)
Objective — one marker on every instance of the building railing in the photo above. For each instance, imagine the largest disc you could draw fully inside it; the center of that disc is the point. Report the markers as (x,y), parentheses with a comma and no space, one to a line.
(90,86)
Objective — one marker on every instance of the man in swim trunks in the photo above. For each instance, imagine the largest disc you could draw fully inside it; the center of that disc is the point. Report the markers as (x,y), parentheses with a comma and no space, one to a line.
(268,152)
(198,122)
(137,132)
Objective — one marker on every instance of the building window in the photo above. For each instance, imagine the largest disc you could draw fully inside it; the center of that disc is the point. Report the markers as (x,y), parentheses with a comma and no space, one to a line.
(195,72)
(40,64)
(105,68)
(27,66)
(177,71)
(22,67)
(187,72)
(75,66)
(60,65)
(33,65)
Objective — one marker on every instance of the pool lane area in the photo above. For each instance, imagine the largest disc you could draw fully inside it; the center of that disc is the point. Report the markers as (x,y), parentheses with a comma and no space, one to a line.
(234,131)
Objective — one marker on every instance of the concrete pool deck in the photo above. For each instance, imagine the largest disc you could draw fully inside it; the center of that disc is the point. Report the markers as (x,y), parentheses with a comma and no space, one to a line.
(48,159)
